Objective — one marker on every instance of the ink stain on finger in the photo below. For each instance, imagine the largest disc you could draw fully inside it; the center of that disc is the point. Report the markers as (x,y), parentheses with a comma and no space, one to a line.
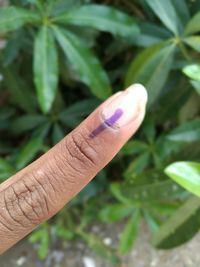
(109,122)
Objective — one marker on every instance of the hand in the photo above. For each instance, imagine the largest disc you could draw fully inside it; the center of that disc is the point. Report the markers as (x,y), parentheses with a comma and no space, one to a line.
(41,189)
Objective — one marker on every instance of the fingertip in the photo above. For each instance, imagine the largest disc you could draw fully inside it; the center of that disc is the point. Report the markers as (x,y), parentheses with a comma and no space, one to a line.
(140,90)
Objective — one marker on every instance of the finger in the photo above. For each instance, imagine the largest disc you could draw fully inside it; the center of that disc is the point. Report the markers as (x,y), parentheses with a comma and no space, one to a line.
(37,192)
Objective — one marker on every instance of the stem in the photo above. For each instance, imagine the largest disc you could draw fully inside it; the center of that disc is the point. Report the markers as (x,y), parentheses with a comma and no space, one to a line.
(184,50)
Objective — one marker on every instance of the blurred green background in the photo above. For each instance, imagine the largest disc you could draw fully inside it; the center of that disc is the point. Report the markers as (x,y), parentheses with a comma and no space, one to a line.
(58,60)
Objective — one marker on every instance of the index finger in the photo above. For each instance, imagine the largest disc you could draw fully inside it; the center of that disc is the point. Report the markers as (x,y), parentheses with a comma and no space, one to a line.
(37,192)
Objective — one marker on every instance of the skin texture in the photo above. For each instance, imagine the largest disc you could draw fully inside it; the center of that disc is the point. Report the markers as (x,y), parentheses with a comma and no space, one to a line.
(40,190)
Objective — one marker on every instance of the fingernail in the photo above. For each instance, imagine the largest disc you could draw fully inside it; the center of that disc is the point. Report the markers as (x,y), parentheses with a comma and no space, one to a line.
(126,107)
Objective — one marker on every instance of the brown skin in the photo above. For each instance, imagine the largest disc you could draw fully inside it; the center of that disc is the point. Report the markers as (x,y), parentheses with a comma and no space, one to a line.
(40,190)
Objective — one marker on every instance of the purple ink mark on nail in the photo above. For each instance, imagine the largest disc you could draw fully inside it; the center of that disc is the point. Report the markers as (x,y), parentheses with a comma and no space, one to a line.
(114,118)
(107,122)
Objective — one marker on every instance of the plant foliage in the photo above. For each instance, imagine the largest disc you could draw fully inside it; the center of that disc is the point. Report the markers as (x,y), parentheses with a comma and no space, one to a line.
(60,60)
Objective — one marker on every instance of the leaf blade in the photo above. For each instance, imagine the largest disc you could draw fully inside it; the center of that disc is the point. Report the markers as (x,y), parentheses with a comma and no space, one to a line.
(186,174)
(180,227)
(182,10)
(193,25)
(72,115)
(12,18)
(85,63)
(134,147)
(19,90)
(45,68)
(187,132)
(130,232)
(6,169)
(102,18)
(192,71)
(167,14)
(137,166)
(28,152)
(193,42)
(26,123)
(115,212)
(149,66)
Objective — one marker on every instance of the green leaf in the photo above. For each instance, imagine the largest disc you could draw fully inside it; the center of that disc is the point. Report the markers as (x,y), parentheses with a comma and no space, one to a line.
(33,2)
(44,245)
(187,132)
(193,42)
(149,130)
(180,90)
(134,147)
(182,10)
(27,122)
(19,90)
(151,34)
(41,236)
(189,151)
(130,233)
(151,221)
(42,132)
(45,68)
(61,5)
(115,189)
(6,169)
(102,18)
(13,46)
(180,227)
(73,115)
(147,68)
(12,18)
(144,40)
(167,14)
(193,25)
(167,208)
(137,165)
(63,233)
(28,152)
(84,62)
(159,190)
(190,109)
(196,85)
(186,174)
(115,212)
(154,29)
(6,114)
(192,71)
(57,134)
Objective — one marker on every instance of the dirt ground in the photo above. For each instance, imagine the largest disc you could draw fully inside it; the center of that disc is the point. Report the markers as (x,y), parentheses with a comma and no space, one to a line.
(78,255)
